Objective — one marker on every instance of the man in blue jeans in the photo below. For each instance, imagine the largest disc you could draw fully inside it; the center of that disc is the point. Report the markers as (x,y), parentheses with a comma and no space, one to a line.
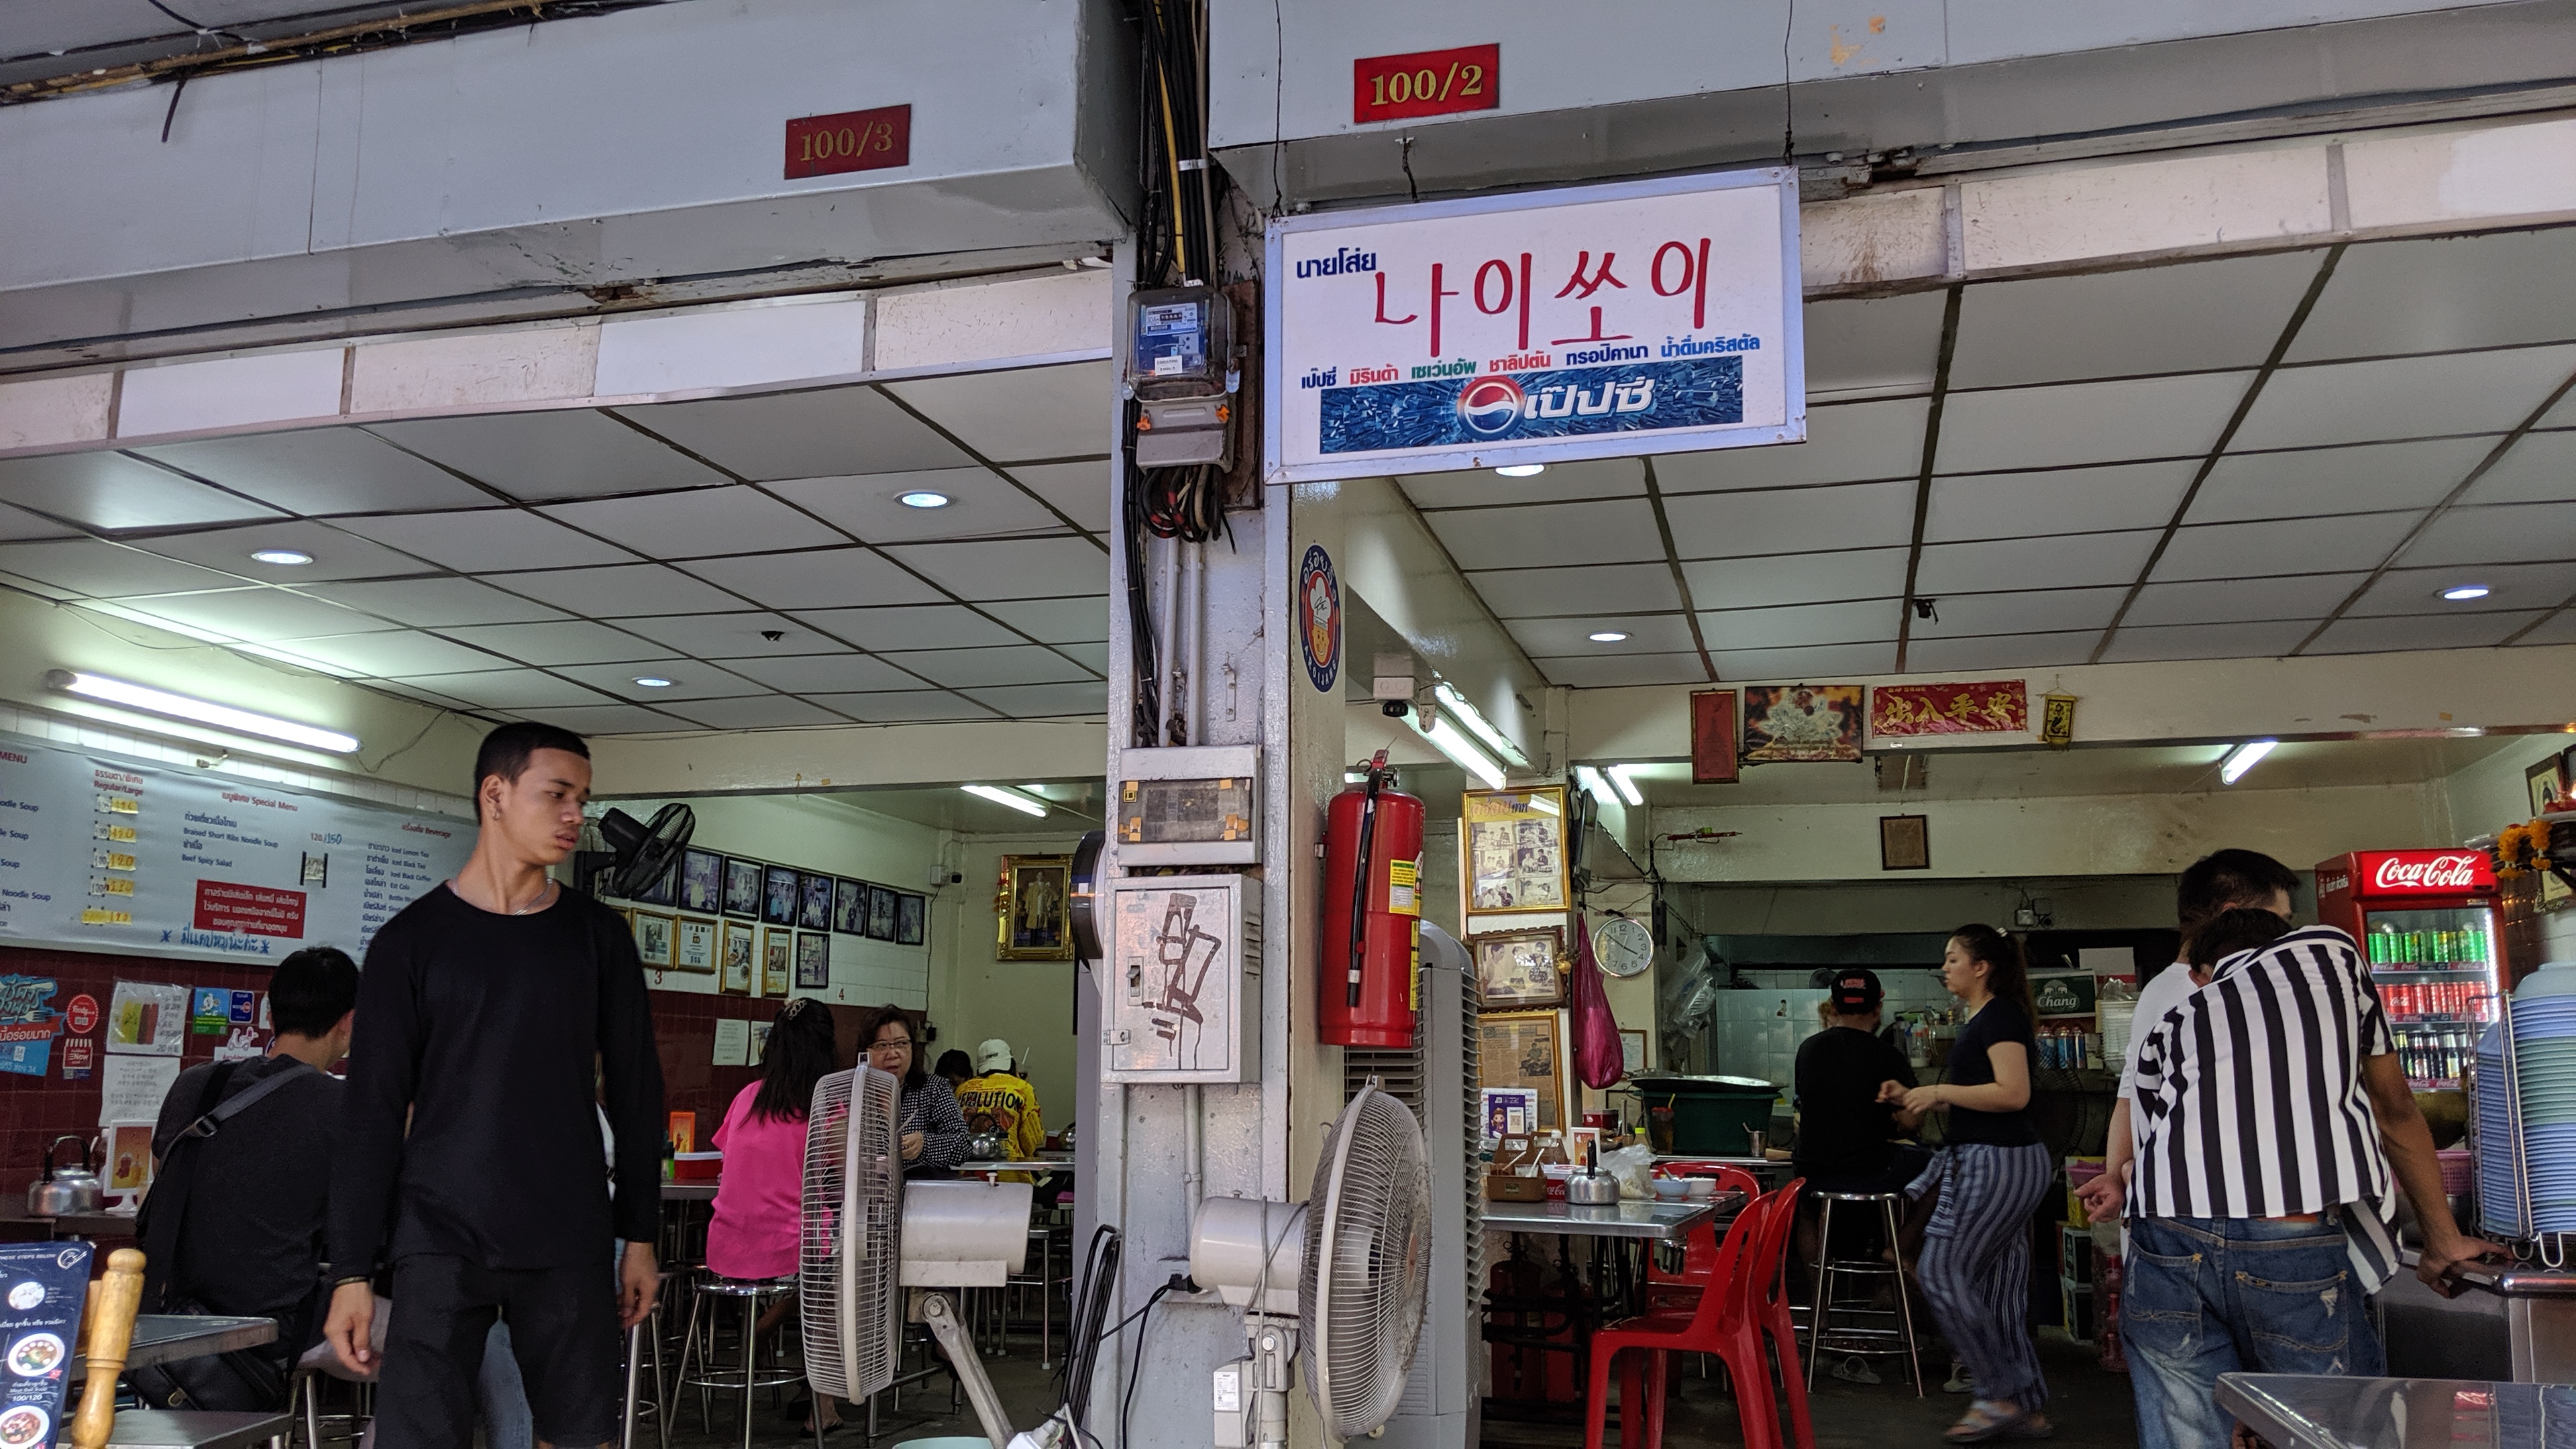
(2275,1121)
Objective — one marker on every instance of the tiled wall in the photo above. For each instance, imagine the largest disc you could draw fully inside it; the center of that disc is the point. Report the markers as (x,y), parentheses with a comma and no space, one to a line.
(1755,1032)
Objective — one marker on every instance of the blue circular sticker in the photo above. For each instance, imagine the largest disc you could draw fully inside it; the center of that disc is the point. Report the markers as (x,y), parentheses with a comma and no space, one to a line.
(1319,605)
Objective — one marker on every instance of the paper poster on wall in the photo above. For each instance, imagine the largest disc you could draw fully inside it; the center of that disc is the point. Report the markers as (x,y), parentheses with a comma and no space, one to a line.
(131,1088)
(28,1023)
(733,1042)
(148,1018)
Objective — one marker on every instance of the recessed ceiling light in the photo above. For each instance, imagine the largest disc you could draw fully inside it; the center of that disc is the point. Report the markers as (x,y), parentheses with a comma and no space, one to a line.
(1606,636)
(652,681)
(294,558)
(1522,470)
(924,498)
(2461,593)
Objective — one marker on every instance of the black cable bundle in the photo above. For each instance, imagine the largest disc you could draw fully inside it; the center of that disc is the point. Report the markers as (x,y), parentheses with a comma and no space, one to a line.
(1091,1305)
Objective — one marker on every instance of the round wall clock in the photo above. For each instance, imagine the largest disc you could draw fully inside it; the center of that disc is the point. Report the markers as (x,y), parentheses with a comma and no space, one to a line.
(1622,946)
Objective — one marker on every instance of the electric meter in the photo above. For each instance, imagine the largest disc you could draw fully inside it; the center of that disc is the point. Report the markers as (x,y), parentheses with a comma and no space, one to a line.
(1180,368)
(1189,805)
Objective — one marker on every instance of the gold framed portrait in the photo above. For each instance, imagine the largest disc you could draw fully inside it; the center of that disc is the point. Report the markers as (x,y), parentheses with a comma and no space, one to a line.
(1516,970)
(1527,1049)
(1030,910)
(1516,851)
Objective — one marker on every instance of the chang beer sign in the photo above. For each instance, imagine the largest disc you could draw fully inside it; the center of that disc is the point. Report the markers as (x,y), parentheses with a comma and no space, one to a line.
(1601,321)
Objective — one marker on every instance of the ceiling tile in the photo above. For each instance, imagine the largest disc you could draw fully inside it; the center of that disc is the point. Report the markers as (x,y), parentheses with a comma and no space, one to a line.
(1056,621)
(823,673)
(2538,468)
(1605,589)
(2309,482)
(984,668)
(2185,318)
(2000,651)
(688,678)
(1483,487)
(1616,530)
(112,491)
(2086,422)
(2443,293)
(1860,621)
(918,626)
(1807,578)
(905,705)
(1079,490)
(1046,701)
(432,602)
(400,653)
(323,470)
(2503,533)
(2558,628)
(1094,657)
(260,615)
(19,523)
(1037,412)
(1007,569)
(2512,586)
(415,694)
(2058,500)
(697,523)
(336,555)
(981,503)
(1791,520)
(608,719)
(2402,397)
(571,641)
(825,578)
(562,453)
(1647,634)
(2003,565)
(1873,345)
(105,570)
(2287,545)
(808,434)
(1846,442)
(622,589)
(2256,640)
(2389,633)
(1614,671)
(2029,611)
(487,540)
(1817,663)
(507,688)
(2228,601)
(739,635)
(763,712)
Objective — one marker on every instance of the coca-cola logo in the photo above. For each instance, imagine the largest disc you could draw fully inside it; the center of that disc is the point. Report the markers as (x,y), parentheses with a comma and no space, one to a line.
(2427,873)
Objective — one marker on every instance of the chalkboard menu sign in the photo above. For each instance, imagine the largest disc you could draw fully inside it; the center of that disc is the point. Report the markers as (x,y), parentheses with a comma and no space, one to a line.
(43,1287)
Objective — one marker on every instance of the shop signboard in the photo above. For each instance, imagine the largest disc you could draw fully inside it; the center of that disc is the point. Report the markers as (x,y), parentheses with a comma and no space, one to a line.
(1589,322)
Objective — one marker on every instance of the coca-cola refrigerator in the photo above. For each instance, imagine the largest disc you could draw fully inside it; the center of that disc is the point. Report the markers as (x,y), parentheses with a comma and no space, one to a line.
(2426,919)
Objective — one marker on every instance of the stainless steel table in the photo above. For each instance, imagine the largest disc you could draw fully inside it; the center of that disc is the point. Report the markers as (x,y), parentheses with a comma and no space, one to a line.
(688,1192)
(2316,1411)
(1630,1218)
(1044,1162)
(72,1225)
(194,1429)
(167,1337)
(2540,1315)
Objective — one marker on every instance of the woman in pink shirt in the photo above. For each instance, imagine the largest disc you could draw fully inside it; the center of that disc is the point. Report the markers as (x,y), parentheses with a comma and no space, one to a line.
(753,1231)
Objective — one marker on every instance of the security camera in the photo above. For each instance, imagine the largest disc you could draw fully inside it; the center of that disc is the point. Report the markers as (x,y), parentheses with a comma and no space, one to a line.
(1395,708)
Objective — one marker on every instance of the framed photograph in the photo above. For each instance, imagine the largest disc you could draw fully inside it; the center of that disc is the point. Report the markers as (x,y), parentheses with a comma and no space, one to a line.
(693,948)
(911,914)
(814,904)
(1904,842)
(813,962)
(1030,913)
(1526,1049)
(701,881)
(738,958)
(782,979)
(777,961)
(742,888)
(1632,1051)
(2546,780)
(850,907)
(1516,850)
(1509,1111)
(880,913)
(1802,722)
(653,938)
(1517,969)
(778,895)
(665,888)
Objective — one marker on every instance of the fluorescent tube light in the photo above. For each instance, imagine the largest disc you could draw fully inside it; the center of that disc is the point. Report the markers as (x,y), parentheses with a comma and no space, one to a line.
(1454,703)
(1591,783)
(1627,787)
(1003,795)
(2242,758)
(1449,740)
(180,706)
(1521,470)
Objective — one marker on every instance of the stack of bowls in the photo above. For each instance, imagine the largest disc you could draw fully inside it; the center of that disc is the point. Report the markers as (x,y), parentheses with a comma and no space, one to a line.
(2500,1204)
(2544,1050)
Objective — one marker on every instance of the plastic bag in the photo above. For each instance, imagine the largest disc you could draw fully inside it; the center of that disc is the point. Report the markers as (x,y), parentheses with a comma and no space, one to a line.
(1634,1167)
(1598,1061)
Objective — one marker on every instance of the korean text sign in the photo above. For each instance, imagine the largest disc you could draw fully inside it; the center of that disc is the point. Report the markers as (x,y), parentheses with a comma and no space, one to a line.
(1606,321)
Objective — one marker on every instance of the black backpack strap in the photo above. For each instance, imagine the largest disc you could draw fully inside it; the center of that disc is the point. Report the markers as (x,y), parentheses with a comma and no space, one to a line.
(165,1208)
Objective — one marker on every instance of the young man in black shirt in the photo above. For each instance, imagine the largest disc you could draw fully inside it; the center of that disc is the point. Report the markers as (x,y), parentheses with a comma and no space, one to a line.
(484,1006)
(1845,1134)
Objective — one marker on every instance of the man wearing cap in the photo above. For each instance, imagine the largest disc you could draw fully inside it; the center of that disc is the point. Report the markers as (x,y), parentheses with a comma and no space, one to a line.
(1845,1134)
(1000,1101)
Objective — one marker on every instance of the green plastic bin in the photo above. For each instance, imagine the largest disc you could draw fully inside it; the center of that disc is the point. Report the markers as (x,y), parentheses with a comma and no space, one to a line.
(1711,1114)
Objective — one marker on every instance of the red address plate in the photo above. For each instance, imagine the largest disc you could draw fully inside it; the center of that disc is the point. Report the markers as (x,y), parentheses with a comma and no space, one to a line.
(1426,83)
(849,141)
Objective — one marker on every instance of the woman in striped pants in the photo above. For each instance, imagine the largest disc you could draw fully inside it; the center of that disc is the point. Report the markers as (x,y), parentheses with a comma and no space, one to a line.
(1975,1266)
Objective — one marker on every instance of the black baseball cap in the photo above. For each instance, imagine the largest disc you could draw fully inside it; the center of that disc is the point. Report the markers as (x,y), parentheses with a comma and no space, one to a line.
(1856,990)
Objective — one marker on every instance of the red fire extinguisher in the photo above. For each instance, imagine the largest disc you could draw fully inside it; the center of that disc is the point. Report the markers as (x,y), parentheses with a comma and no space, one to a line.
(1372,940)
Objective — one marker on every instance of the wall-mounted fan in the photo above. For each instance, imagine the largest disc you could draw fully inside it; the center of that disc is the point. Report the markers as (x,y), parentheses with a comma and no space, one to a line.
(643,852)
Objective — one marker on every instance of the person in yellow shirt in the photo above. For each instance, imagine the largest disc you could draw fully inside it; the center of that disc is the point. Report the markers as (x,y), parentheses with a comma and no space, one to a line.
(1000,1101)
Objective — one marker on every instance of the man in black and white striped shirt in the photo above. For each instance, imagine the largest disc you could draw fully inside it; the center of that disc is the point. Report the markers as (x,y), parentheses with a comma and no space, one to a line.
(2275,1123)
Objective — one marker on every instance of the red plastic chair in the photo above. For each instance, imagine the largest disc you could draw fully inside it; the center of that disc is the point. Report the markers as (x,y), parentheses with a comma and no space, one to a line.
(1699,1259)
(1726,1321)
(1771,1306)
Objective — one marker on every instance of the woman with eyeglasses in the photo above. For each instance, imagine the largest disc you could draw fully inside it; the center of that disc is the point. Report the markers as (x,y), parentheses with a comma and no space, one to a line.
(931,1125)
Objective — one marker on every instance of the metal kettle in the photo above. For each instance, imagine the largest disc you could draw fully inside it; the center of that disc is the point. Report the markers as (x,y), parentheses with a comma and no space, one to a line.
(1591,1187)
(61,1190)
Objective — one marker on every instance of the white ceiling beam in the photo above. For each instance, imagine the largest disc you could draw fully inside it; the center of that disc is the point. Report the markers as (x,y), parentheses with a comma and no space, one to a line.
(844,758)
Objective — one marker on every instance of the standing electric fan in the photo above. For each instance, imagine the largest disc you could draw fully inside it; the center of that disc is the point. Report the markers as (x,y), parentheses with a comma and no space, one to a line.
(1344,1274)
(875,1249)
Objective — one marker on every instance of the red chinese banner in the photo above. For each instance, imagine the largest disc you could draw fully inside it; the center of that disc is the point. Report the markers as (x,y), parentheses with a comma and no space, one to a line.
(1713,737)
(1992,707)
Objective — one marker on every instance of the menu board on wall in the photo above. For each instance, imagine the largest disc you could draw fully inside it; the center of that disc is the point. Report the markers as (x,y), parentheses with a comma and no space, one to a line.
(102,851)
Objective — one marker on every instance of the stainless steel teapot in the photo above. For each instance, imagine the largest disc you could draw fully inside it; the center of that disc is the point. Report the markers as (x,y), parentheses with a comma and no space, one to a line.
(73,1189)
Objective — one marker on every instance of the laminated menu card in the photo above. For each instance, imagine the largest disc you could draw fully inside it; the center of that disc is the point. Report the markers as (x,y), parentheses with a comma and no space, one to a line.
(43,1287)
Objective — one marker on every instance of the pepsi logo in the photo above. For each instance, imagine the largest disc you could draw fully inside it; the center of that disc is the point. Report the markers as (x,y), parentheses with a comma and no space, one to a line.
(1490,405)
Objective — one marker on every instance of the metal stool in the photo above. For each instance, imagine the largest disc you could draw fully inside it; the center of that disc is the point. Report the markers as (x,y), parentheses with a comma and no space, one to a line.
(1853,1341)
(642,1338)
(711,1295)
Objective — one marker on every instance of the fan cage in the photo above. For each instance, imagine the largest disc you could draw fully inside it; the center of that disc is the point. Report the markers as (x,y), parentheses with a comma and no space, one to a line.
(1367,1264)
(849,1239)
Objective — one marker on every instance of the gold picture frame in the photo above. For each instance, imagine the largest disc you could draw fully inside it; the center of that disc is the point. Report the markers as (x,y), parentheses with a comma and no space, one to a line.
(1514,842)
(1032,920)
(1518,970)
(693,946)
(1527,1049)
(777,960)
(653,939)
(738,958)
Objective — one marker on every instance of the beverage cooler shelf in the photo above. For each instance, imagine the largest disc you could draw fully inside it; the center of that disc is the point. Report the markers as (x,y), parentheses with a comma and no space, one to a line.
(2453,971)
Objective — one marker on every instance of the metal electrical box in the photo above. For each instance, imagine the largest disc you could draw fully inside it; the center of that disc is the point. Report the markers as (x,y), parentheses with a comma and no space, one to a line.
(1183,982)
(1189,805)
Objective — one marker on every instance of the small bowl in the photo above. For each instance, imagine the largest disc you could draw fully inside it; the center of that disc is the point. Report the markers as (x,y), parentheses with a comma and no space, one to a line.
(1672,1189)
(1699,1189)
